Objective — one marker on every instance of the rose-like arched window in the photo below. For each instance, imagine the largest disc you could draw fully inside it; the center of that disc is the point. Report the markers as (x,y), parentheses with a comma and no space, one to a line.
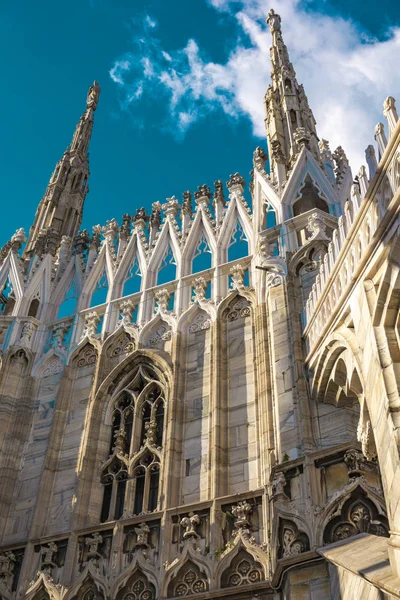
(131,474)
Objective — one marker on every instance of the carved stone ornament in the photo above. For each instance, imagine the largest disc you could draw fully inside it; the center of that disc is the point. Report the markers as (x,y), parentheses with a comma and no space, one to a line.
(219,191)
(127,308)
(241,512)
(199,289)
(122,346)
(162,298)
(292,545)
(188,581)
(358,515)
(190,523)
(355,463)
(26,333)
(53,368)
(7,562)
(240,309)
(237,272)
(48,554)
(92,544)
(302,137)
(203,191)
(200,322)
(278,487)
(87,356)
(274,277)
(142,533)
(162,334)
(18,238)
(235,179)
(92,321)
(58,335)
(151,432)
(244,570)
(259,158)
(277,152)
(316,226)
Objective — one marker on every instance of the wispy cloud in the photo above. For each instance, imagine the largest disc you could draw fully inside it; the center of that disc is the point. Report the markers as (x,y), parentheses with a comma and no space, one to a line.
(346,74)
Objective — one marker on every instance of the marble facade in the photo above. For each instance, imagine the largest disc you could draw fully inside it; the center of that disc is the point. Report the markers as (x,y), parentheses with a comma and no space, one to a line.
(225,432)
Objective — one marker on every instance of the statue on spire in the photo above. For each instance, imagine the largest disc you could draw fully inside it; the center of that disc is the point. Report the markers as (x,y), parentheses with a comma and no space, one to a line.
(93,96)
(274,21)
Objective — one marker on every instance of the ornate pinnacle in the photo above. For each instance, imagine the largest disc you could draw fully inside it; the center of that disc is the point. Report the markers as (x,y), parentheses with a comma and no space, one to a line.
(203,192)
(235,179)
(141,215)
(187,203)
(219,191)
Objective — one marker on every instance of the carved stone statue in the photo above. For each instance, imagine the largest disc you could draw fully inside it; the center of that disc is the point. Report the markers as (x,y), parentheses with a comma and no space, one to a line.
(48,556)
(274,21)
(190,522)
(92,544)
(241,512)
(142,534)
(278,486)
(93,96)
(7,561)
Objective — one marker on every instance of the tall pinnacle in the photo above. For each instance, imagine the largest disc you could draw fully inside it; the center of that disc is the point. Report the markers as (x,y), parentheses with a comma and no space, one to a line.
(290,123)
(60,211)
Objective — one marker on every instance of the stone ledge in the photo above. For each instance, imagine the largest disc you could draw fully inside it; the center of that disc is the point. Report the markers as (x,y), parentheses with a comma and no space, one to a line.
(366,556)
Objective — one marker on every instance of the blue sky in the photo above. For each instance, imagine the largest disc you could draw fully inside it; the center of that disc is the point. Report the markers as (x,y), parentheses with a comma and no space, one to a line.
(182,90)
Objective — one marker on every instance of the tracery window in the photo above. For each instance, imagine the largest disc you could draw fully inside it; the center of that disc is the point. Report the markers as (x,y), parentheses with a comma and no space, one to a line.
(99,295)
(131,474)
(133,279)
(202,258)
(139,588)
(239,244)
(167,270)
(68,305)
(7,298)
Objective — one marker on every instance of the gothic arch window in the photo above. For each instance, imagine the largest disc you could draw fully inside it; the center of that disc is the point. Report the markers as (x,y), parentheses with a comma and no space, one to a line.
(133,279)
(188,581)
(167,269)
(138,588)
(239,244)
(131,474)
(99,295)
(309,199)
(358,515)
(68,304)
(270,215)
(202,257)
(34,305)
(7,298)
(243,570)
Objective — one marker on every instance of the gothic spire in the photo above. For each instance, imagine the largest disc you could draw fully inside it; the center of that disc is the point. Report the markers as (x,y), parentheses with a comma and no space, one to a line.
(289,120)
(60,211)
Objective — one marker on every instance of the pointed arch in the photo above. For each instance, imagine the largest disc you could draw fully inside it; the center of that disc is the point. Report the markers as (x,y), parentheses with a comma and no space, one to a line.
(167,251)
(236,233)
(89,580)
(139,569)
(99,280)
(229,564)
(189,574)
(357,510)
(132,269)
(158,332)
(199,243)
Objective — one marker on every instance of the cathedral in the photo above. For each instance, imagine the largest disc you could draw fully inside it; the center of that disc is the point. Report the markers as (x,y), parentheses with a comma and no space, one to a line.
(204,400)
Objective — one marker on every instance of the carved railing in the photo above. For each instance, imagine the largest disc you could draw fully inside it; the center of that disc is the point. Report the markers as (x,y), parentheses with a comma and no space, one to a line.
(360,231)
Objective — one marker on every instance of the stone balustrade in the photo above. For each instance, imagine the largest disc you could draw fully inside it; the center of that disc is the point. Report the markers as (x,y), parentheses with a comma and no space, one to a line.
(367,216)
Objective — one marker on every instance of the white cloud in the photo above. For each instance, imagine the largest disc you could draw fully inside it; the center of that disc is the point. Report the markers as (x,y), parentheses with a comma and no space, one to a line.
(346,75)
(152,23)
